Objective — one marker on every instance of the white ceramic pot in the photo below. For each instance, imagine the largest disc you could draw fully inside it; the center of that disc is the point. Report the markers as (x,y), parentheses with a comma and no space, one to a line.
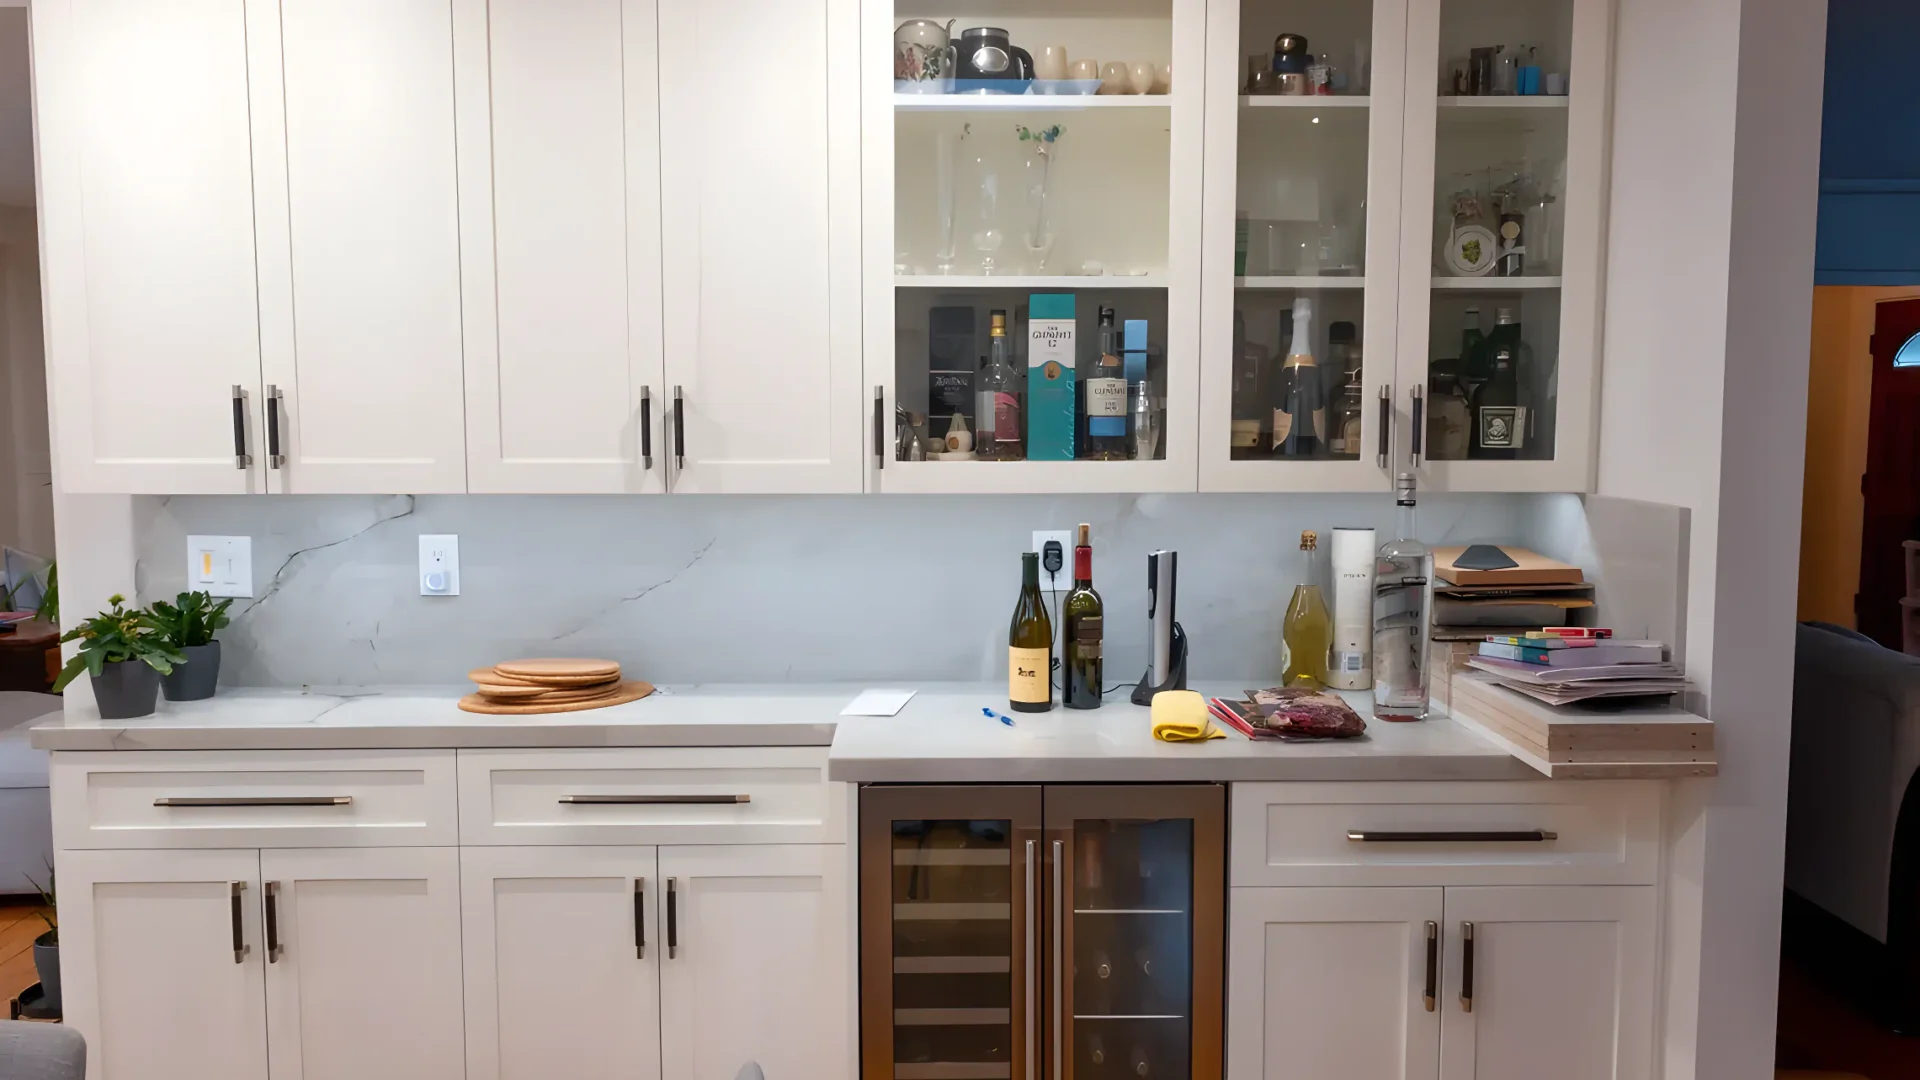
(1050,62)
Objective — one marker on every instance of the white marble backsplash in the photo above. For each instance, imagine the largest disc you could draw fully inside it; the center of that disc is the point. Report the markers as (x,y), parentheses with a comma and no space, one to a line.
(746,588)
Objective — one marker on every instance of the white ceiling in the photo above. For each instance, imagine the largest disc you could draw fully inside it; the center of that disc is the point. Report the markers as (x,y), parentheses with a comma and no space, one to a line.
(16,109)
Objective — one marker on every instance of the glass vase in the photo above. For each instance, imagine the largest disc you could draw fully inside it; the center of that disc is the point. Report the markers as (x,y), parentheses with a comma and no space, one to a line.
(1042,144)
(983,180)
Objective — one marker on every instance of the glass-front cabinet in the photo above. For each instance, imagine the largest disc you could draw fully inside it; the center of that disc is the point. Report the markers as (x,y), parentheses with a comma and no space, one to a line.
(1031,243)
(1026,932)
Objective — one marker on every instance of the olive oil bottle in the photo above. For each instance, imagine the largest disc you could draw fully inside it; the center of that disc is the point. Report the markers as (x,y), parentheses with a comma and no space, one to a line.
(1030,644)
(1085,623)
(1307,633)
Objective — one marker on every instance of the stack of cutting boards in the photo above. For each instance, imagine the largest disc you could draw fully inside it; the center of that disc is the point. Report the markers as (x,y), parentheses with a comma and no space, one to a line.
(1585,742)
(550,685)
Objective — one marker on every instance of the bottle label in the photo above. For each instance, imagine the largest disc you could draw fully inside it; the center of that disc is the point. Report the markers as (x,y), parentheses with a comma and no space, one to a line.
(1501,427)
(1006,418)
(1349,662)
(982,410)
(1107,407)
(1282,426)
(1028,675)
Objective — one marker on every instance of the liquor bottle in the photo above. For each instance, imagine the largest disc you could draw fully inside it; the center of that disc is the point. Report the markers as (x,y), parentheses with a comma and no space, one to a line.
(1473,362)
(1030,644)
(1137,1060)
(1096,1050)
(997,399)
(1402,615)
(1107,397)
(1449,417)
(1085,619)
(1251,412)
(1499,420)
(1307,632)
(1299,404)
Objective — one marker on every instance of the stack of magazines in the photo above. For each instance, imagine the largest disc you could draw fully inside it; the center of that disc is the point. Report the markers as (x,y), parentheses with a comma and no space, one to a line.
(1561,665)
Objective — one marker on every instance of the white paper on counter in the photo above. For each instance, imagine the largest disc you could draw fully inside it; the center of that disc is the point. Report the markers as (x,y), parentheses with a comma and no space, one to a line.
(878,703)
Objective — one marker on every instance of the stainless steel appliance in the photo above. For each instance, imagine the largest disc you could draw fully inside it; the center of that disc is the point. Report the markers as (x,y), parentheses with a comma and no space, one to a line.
(1029,932)
(1166,641)
(985,56)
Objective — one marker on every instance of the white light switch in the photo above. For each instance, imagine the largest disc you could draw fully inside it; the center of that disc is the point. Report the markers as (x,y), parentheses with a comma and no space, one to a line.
(439,564)
(220,565)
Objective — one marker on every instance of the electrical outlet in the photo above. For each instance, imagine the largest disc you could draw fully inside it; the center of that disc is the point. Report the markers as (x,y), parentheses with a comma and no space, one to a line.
(439,565)
(1062,580)
(220,565)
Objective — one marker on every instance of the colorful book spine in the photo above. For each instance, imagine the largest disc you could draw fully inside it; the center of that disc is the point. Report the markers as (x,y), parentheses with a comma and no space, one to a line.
(1531,642)
(1522,653)
(1571,632)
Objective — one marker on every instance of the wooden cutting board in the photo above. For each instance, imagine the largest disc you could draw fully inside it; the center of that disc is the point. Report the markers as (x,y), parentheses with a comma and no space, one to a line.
(550,669)
(548,697)
(490,677)
(628,691)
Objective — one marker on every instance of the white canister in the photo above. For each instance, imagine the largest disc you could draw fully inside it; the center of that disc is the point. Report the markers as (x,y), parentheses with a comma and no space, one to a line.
(1350,657)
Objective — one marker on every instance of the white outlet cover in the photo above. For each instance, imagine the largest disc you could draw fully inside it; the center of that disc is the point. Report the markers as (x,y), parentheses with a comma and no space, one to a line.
(1063,580)
(220,565)
(439,564)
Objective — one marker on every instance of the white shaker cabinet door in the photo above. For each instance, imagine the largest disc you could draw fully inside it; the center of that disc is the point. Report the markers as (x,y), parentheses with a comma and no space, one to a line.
(563,954)
(560,217)
(150,975)
(363,963)
(146,180)
(759,962)
(1560,980)
(760,186)
(1332,984)
(360,246)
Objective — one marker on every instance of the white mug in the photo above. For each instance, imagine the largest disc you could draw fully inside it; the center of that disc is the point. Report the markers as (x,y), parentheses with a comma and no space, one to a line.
(1114,78)
(1140,77)
(1050,62)
(1085,69)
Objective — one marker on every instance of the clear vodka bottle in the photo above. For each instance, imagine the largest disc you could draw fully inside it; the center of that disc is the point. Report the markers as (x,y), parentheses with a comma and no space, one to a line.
(1402,616)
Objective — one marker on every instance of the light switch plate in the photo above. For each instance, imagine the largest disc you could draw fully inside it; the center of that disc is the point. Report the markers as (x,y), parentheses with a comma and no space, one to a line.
(220,565)
(439,564)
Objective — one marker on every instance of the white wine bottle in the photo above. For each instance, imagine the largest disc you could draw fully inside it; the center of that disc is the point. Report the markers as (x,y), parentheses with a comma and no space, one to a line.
(1030,644)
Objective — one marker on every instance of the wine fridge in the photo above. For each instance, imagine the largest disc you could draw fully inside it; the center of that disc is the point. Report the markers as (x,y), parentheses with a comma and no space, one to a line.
(1044,932)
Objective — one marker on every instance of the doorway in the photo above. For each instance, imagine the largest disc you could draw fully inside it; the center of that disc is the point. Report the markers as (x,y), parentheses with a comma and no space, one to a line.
(1890,486)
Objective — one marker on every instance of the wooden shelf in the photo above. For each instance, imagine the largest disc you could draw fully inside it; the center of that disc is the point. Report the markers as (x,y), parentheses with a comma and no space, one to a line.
(1300,281)
(1496,284)
(1026,102)
(1305,101)
(1030,281)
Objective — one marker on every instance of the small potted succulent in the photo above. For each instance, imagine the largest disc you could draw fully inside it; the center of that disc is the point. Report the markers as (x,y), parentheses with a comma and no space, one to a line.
(188,624)
(125,658)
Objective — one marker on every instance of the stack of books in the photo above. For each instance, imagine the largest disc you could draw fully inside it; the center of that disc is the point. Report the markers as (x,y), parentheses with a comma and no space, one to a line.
(1562,665)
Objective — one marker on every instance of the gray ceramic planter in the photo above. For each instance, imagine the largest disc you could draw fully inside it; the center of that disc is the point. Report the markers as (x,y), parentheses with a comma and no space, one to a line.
(194,680)
(125,689)
(46,961)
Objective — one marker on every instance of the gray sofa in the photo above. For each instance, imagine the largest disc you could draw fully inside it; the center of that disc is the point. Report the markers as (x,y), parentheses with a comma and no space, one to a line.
(26,822)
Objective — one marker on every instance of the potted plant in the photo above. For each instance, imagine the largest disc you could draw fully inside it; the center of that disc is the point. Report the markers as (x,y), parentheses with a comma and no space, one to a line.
(188,624)
(125,658)
(46,947)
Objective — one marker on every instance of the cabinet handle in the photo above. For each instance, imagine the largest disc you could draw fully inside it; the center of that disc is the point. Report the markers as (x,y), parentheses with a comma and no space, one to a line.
(258,800)
(673,920)
(639,918)
(1433,964)
(1419,440)
(1530,836)
(1466,967)
(679,429)
(1059,936)
(1386,426)
(241,459)
(655,800)
(234,889)
(646,427)
(1033,961)
(272,889)
(879,427)
(275,458)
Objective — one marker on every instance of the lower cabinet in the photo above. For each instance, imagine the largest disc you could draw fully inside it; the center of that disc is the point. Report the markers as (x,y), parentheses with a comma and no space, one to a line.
(1507,983)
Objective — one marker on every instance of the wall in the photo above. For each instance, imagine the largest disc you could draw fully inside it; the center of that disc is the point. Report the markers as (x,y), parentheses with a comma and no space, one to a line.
(1869,161)
(743,589)
(1839,394)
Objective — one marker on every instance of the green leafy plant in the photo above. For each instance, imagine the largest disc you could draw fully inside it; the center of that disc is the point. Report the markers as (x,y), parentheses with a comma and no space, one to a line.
(49,609)
(114,636)
(49,911)
(192,619)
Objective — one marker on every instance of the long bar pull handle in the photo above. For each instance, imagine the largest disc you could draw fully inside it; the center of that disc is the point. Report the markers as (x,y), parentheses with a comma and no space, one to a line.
(1433,964)
(241,459)
(639,918)
(1059,1033)
(1526,836)
(256,800)
(234,889)
(1418,443)
(273,922)
(679,429)
(1466,967)
(646,427)
(1386,427)
(879,427)
(655,800)
(1033,961)
(673,920)
(275,458)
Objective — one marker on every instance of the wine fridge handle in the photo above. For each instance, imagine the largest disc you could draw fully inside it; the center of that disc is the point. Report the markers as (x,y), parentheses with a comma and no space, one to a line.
(1386,427)
(1033,960)
(879,427)
(1466,967)
(1059,1033)
(679,430)
(234,889)
(241,459)
(646,428)
(1418,441)
(1433,964)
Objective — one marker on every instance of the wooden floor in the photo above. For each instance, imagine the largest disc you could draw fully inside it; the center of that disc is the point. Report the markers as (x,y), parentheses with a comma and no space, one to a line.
(1822,1027)
(19,924)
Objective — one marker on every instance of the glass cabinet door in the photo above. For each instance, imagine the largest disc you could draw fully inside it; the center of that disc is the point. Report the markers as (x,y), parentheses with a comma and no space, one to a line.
(1135,931)
(1303,197)
(1506,107)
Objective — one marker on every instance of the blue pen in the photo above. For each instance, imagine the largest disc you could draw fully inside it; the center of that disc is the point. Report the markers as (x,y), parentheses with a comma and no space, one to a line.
(1007,720)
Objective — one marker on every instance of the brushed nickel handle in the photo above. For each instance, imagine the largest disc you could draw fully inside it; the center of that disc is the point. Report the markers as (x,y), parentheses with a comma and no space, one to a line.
(1433,964)
(673,920)
(273,922)
(639,918)
(1386,427)
(256,800)
(655,800)
(1466,967)
(241,459)
(1059,956)
(1419,440)
(879,427)
(646,427)
(1033,961)
(275,459)
(1527,836)
(234,889)
(679,429)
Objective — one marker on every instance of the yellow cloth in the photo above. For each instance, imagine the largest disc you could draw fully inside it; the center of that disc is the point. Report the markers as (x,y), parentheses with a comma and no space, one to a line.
(1181,716)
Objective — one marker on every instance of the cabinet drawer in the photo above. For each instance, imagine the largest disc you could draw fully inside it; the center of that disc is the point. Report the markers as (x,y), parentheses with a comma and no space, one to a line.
(668,795)
(308,798)
(1574,833)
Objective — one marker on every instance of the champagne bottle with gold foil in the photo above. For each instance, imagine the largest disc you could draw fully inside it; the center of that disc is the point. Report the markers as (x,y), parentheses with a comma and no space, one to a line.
(1308,630)
(1030,644)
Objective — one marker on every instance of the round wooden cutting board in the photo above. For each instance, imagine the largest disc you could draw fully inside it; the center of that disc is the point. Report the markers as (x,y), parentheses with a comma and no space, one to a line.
(555,670)
(628,691)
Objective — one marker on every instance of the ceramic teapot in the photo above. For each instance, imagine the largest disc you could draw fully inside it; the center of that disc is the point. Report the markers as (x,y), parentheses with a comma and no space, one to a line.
(922,56)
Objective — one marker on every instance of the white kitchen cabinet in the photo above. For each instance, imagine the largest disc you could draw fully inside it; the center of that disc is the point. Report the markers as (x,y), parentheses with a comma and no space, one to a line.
(362,956)
(146,200)
(759,174)
(1334,984)
(563,954)
(759,961)
(1561,982)
(560,220)
(149,967)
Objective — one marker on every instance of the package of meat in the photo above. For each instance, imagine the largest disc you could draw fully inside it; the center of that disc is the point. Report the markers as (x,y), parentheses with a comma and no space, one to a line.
(1303,712)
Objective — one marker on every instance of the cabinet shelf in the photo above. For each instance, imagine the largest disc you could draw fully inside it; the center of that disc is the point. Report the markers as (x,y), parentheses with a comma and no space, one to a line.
(1496,284)
(950,1017)
(933,911)
(1128,1016)
(1129,911)
(1300,281)
(950,965)
(1030,281)
(1310,101)
(952,1070)
(1027,102)
(1530,101)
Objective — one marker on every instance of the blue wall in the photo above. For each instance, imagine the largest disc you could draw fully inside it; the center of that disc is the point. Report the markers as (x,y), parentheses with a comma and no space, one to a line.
(1869,144)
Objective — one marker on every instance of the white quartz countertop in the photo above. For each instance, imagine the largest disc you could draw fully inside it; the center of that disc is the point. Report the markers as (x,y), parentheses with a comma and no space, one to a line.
(941,736)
